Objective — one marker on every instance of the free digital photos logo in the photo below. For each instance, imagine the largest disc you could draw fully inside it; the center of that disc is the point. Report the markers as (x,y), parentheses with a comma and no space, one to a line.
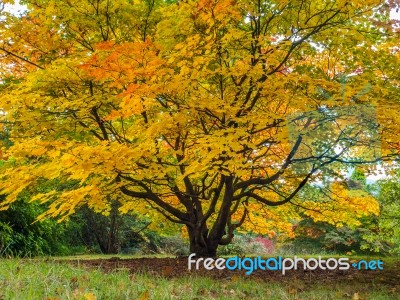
(250,264)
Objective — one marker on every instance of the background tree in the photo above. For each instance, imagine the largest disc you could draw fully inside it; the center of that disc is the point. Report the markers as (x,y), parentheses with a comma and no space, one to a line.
(385,229)
(327,229)
(210,113)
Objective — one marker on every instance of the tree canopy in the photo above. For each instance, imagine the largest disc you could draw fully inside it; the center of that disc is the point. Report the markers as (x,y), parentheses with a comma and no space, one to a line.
(210,113)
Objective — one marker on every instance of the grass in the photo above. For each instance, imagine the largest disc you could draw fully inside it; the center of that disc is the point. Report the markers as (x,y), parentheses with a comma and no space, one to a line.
(47,279)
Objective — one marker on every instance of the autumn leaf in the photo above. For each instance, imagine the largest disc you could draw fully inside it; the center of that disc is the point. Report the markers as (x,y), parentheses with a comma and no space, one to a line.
(211,116)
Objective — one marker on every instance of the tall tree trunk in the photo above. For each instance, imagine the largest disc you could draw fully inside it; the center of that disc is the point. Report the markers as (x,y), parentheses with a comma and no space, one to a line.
(200,244)
(113,241)
(204,242)
(105,229)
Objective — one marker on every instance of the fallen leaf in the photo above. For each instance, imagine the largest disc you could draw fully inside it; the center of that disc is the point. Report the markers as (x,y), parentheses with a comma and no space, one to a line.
(89,296)
(145,296)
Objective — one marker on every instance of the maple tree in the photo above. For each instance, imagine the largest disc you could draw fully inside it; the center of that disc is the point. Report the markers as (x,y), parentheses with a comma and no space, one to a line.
(210,113)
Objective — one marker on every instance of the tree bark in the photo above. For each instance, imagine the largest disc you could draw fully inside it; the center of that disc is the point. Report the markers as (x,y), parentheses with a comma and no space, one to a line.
(200,244)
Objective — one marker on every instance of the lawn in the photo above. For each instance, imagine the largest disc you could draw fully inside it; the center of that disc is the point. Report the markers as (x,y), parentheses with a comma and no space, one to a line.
(60,279)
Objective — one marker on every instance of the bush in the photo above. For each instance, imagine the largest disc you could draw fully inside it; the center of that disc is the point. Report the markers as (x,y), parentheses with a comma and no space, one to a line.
(247,245)
(20,235)
(174,245)
(5,237)
(314,237)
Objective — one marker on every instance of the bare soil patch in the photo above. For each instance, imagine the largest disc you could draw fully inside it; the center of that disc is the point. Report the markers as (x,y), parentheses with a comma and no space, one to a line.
(176,267)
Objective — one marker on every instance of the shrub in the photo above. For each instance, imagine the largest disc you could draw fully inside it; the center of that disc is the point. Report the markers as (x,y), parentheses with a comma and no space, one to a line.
(175,245)
(314,237)
(20,235)
(247,245)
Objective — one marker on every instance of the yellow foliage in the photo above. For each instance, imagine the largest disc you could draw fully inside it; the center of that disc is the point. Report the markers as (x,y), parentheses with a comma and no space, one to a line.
(211,114)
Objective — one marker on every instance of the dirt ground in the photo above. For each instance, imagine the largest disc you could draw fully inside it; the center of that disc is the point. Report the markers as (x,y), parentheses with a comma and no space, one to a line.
(175,267)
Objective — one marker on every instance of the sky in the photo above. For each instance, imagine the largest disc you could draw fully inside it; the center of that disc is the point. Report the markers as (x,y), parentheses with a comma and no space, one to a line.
(17,9)
(14,8)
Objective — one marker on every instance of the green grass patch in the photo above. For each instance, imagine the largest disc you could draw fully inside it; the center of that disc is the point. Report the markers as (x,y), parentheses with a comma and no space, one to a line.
(48,279)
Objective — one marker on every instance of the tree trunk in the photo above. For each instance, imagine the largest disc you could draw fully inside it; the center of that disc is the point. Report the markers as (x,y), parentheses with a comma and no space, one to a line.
(200,244)
(113,242)
(204,242)
(105,230)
